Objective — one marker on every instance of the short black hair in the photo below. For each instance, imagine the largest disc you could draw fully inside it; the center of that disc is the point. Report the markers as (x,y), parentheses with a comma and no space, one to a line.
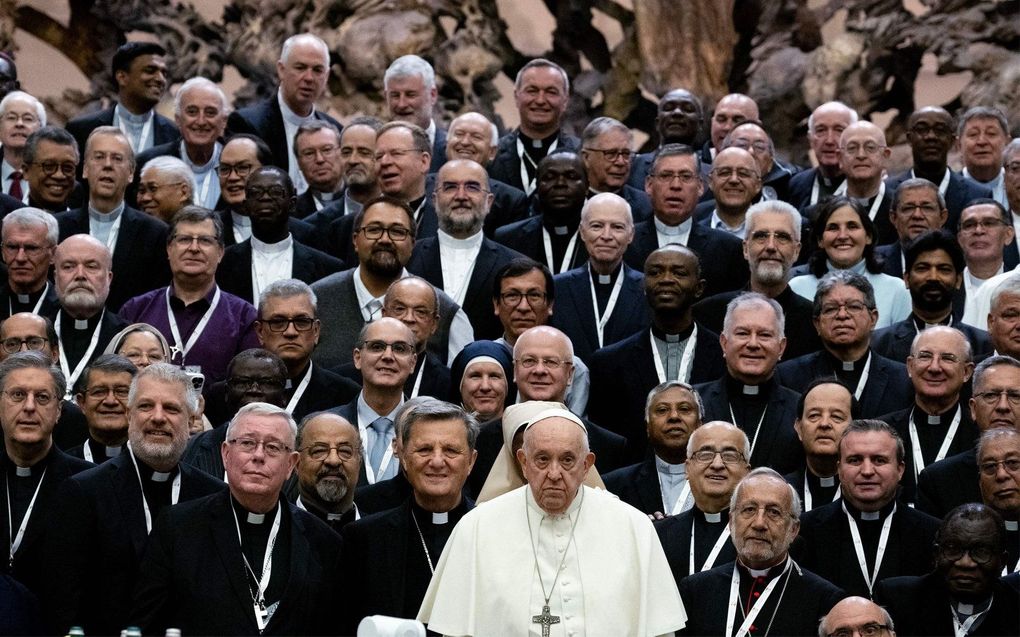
(855,407)
(107,363)
(262,151)
(931,240)
(129,51)
(391,201)
(520,267)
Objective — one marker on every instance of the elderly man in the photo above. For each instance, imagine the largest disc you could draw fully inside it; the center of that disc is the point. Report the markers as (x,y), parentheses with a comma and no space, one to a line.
(962,594)
(825,129)
(699,538)
(409,85)
(460,260)
(659,483)
(402,153)
(998,458)
(288,326)
(614,561)
(602,302)
(753,340)
(551,236)
(200,111)
(771,248)
(20,115)
(775,177)
(826,408)
(607,155)
(844,317)
(982,133)
(673,348)
(541,93)
(678,120)
(32,468)
(866,536)
(29,241)
(326,480)
(856,615)
(985,231)
(776,596)
(674,185)
(128,234)
(95,546)
(205,326)
(736,183)
(50,162)
(917,207)
(317,148)
(102,395)
(932,134)
(934,274)
(997,306)
(863,157)
(208,545)
(936,425)
(165,185)
(730,111)
(140,77)
(302,72)
(272,253)
(438,441)
(995,404)
(1011,184)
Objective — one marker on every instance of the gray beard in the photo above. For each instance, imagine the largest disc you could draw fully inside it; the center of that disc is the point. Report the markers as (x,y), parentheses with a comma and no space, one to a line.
(331,491)
(81,303)
(770,273)
(155,453)
(454,227)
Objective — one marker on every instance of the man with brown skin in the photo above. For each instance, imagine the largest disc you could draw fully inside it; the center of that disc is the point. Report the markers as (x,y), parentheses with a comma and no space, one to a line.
(165,185)
(916,207)
(998,459)
(50,164)
(736,183)
(102,395)
(328,468)
(985,232)
(679,119)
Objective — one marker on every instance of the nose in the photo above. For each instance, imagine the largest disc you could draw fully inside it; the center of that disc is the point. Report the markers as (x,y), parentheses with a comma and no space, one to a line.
(30,404)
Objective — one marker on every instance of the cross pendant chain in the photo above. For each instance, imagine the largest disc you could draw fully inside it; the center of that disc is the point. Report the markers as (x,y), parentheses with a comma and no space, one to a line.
(546,619)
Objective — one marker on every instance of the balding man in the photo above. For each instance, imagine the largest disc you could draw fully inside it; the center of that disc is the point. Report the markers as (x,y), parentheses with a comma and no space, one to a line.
(863,158)
(679,119)
(729,111)
(736,183)
(165,185)
(775,176)
(328,468)
(856,615)
(825,128)
(607,155)
(302,72)
(602,302)
(200,111)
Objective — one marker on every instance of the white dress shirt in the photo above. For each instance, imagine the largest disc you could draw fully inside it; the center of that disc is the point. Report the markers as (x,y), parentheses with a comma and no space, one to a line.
(457,258)
(270,262)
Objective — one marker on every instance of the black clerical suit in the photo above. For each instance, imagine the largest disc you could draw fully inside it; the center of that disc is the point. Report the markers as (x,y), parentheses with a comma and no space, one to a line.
(623,373)
(798,193)
(76,342)
(887,389)
(773,440)
(575,313)
(140,261)
(43,478)
(921,607)
(95,452)
(506,165)
(637,485)
(193,576)
(383,495)
(895,340)
(308,202)
(801,338)
(819,490)
(675,536)
(828,547)
(385,567)
(265,119)
(944,485)
(791,610)
(302,232)
(45,299)
(94,548)
(526,237)
(307,265)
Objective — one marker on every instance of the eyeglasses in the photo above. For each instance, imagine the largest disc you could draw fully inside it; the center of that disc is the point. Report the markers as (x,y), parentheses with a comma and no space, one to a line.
(762,237)
(971,225)
(830,310)
(953,552)
(120,392)
(529,362)
(612,154)
(772,512)
(272,448)
(320,452)
(184,241)
(453,187)
(27,118)
(869,148)
(42,398)
(144,189)
(400,348)
(513,298)
(992,397)
(742,173)
(300,323)
(242,382)
(1012,465)
(31,250)
(396,233)
(312,153)
(667,177)
(867,630)
(729,456)
(925,208)
(398,310)
(276,192)
(136,355)
(926,358)
(50,167)
(35,343)
(242,170)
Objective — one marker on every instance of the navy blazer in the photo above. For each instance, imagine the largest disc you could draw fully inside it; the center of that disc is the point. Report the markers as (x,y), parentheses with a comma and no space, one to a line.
(525,237)
(438,150)
(675,533)
(637,485)
(574,313)
(640,166)
(894,341)
(720,254)
(234,272)
(640,204)
(888,387)
(265,120)
(426,263)
(506,165)
(961,191)
(140,262)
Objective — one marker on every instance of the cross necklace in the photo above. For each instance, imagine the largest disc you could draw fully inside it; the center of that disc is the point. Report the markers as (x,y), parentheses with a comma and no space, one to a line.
(547,619)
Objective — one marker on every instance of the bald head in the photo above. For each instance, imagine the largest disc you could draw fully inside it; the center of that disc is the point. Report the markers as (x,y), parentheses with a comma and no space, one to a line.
(855,614)
(543,364)
(730,111)
(472,136)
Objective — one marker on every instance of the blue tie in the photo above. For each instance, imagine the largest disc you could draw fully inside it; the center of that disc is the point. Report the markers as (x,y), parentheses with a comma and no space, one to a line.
(381,426)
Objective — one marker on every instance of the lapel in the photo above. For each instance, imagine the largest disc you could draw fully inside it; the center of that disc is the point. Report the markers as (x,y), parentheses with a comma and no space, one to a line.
(241,276)
(123,250)
(303,264)
(276,137)
(646,239)
(223,528)
(297,572)
(56,472)
(128,494)
(394,558)
(430,262)
(644,363)
(878,375)
(577,286)
(649,491)
(485,263)
(228,227)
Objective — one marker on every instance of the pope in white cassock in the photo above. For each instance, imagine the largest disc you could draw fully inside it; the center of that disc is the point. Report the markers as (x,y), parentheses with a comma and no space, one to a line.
(553,557)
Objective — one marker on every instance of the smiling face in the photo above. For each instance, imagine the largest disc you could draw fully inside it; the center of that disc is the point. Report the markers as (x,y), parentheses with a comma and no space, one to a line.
(844,238)
(242,156)
(409,100)
(202,118)
(470,137)
(401,168)
(483,389)
(715,480)
(752,344)
(437,460)
(161,194)
(158,422)
(541,99)
(106,413)
(735,179)
(52,189)
(938,366)
(144,81)
(555,461)
(679,117)
(862,153)
(18,120)
(543,366)
(606,231)
(983,233)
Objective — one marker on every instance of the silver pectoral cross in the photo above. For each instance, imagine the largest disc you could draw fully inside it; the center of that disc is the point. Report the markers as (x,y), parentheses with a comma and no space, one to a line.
(546,619)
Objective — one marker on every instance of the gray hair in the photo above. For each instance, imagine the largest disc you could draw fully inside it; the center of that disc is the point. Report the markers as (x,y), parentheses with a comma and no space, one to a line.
(868,425)
(285,289)
(603,196)
(172,167)
(968,352)
(915,183)
(766,472)
(978,378)
(53,134)
(29,217)
(111,131)
(982,112)
(662,388)
(263,409)
(753,298)
(493,131)
(299,437)
(410,66)
(200,82)
(1012,148)
(676,150)
(539,63)
(811,118)
(836,278)
(778,207)
(428,409)
(601,125)
(745,447)
(289,43)
(107,364)
(994,434)
(168,374)
(40,110)
(823,628)
(34,360)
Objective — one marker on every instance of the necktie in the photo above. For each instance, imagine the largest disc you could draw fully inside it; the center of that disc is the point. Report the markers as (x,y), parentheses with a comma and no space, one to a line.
(15,189)
(374,307)
(381,426)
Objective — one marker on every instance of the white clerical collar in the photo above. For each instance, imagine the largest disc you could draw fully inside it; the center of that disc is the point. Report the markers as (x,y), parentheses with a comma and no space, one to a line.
(240,220)
(827,481)
(682,228)
(272,248)
(114,451)
(1012,525)
(871,515)
(23,472)
(105,217)
(673,469)
(450,242)
(431,132)
(290,116)
(160,476)
(750,390)
(255,518)
(24,298)
(975,282)
(561,231)
(81,324)
(441,518)
(125,115)
(713,518)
